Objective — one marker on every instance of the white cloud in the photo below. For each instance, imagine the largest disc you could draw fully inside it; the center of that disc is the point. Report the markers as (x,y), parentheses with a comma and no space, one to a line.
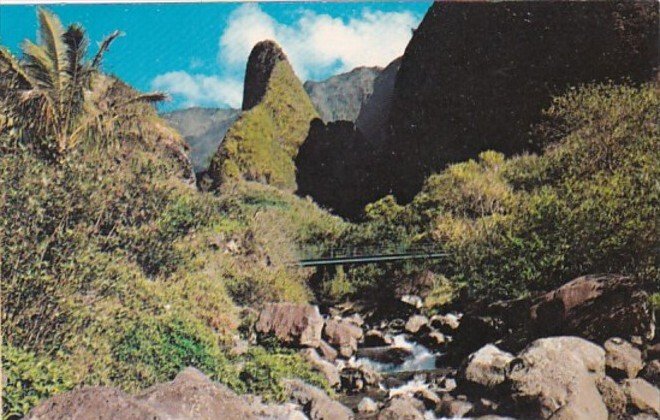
(318,45)
(200,90)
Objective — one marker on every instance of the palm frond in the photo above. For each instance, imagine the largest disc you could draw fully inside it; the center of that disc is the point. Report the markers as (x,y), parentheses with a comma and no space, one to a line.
(52,39)
(103,47)
(10,64)
(77,44)
(39,64)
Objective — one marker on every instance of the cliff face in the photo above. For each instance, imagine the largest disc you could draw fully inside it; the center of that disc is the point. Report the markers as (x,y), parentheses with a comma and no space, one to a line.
(262,60)
(264,140)
(374,114)
(476,76)
(341,97)
(336,166)
(203,129)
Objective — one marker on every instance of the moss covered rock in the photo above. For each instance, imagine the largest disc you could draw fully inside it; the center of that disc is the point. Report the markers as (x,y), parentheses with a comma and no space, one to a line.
(263,142)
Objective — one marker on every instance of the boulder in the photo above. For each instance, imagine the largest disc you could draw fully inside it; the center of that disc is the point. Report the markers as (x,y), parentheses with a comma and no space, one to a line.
(402,407)
(486,368)
(357,377)
(413,301)
(416,323)
(653,351)
(446,324)
(293,324)
(430,399)
(94,402)
(642,396)
(376,338)
(317,404)
(327,351)
(327,369)
(455,408)
(613,396)
(594,307)
(367,406)
(651,372)
(396,325)
(388,355)
(190,395)
(622,360)
(434,340)
(356,319)
(343,335)
(556,377)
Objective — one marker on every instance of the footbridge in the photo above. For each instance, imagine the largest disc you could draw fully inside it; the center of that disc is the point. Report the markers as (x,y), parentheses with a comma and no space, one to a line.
(315,256)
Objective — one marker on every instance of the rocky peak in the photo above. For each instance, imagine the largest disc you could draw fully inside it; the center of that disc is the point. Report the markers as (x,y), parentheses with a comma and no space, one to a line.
(263,58)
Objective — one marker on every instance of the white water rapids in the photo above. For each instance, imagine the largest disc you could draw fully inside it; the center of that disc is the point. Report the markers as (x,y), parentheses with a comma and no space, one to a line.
(420,358)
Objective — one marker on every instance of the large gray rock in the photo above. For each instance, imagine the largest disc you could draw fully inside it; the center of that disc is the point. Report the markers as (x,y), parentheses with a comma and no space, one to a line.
(486,367)
(455,407)
(376,338)
(367,406)
(327,351)
(317,404)
(556,377)
(94,402)
(327,369)
(344,335)
(190,395)
(293,324)
(447,323)
(622,360)
(402,407)
(357,377)
(651,372)
(613,396)
(416,323)
(642,396)
(594,307)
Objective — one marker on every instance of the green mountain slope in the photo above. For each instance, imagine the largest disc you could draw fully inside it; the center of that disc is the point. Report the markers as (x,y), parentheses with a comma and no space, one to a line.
(262,143)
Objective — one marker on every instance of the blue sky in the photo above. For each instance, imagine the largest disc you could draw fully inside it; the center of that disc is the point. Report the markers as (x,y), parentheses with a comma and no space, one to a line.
(197,52)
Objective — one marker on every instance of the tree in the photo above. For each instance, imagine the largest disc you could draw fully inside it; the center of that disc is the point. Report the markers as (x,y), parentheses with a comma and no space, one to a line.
(54,96)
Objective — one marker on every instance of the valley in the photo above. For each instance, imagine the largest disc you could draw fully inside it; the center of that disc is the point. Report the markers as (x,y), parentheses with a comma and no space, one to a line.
(154,264)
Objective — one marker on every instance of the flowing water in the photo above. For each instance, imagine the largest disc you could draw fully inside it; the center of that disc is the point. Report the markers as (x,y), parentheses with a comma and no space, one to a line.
(420,359)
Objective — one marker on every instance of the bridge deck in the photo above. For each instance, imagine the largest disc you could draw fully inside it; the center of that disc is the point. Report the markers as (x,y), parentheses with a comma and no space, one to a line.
(365,259)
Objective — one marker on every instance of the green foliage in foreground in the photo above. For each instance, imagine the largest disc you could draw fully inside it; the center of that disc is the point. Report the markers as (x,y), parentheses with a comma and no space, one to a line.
(116,267)
(261,144)
(27,379)
(588,204)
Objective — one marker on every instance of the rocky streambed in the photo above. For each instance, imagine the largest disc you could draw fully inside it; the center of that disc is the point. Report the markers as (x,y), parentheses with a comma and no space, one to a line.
(587,350)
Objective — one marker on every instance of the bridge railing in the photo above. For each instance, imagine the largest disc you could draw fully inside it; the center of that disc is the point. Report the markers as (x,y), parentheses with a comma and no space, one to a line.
(321,253)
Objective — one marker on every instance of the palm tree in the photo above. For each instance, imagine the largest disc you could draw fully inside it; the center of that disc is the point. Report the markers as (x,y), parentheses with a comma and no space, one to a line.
(53,90)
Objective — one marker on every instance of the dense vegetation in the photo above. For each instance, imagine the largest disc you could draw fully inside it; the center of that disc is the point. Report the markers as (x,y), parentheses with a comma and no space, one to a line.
(115,270)
(513,226)
(262,143)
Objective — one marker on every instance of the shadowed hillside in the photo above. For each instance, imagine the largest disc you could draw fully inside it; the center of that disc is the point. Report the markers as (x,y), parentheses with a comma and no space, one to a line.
(476,76)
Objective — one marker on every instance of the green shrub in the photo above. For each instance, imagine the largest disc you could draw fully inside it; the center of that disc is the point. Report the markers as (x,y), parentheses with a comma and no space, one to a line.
(587,204)
(263,370)
(28,379)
